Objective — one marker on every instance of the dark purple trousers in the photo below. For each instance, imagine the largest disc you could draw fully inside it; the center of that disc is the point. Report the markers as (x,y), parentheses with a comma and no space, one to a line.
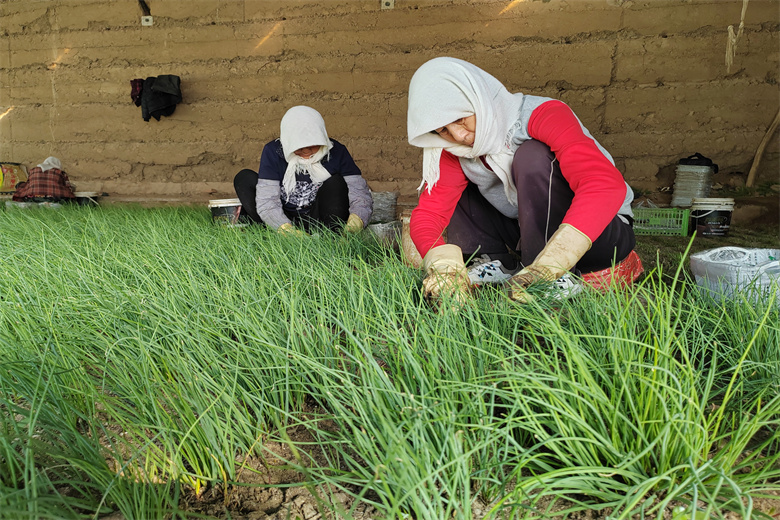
(543,198)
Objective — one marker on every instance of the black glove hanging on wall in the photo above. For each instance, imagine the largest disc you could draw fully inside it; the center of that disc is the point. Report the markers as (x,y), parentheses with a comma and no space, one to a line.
(160,95)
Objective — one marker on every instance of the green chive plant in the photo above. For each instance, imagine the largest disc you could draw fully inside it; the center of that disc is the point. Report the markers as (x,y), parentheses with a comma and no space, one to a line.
(146,353)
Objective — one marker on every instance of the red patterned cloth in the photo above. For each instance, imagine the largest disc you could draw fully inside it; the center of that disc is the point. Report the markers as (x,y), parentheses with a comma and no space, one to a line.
(622,274)
(52,184)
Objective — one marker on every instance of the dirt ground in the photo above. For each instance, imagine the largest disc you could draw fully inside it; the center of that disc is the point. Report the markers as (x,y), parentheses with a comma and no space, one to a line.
(278,495)
(270,490)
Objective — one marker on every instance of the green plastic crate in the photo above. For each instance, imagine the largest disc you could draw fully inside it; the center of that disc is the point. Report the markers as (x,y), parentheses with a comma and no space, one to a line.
(661,221)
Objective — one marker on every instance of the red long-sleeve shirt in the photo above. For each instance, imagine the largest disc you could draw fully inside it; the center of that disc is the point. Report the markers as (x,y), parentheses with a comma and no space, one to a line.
(599,188)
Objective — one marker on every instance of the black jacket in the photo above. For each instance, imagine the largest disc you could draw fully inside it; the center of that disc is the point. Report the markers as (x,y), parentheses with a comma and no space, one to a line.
(160,95)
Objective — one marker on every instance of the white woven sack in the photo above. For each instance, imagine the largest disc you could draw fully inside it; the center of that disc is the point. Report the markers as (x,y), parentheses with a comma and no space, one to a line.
(733,271)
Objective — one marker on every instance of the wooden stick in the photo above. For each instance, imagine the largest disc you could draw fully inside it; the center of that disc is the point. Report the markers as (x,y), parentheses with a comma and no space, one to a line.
(760,151)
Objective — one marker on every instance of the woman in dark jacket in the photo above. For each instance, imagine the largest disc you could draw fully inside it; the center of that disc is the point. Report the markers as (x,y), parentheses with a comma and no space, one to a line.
(305,179)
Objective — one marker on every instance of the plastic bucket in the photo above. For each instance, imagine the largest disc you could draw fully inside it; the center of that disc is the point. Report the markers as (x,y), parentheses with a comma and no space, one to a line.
(711,217)
(87,198)
(387,232)
(226,212)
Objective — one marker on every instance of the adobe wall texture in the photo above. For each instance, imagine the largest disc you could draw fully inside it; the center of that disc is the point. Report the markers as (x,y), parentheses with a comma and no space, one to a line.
(648,78)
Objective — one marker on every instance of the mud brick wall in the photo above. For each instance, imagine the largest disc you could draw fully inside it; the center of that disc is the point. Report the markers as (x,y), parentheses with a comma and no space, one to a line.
(647,77)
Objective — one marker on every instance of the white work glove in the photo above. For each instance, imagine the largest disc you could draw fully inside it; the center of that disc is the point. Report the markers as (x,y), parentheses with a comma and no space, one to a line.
(289,229)
(446,276)
(562,252)
(354,224)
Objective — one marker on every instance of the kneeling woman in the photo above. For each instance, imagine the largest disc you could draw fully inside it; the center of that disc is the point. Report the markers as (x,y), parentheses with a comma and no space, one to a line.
(305,180)
(517,178)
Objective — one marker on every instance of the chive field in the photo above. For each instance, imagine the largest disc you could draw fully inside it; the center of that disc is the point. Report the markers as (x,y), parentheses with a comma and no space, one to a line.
(147,354)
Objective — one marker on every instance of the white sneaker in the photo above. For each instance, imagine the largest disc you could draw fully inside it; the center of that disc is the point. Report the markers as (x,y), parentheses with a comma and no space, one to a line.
(567,286)
(489,271)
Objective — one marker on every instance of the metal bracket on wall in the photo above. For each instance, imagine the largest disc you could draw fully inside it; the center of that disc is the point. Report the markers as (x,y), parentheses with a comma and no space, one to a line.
(387,4)
(147,20)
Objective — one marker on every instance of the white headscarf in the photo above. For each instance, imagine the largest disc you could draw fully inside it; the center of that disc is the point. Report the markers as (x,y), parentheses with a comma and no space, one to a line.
(301,127)
(49,163)
(444,90)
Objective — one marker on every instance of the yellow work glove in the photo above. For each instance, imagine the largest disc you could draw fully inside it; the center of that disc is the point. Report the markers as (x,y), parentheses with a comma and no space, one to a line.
(446,276)
(289,229)
(354,224)
(562,252)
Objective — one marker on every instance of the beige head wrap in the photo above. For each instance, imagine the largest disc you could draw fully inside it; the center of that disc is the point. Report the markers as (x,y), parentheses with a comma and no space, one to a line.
(444,90)
(303,126)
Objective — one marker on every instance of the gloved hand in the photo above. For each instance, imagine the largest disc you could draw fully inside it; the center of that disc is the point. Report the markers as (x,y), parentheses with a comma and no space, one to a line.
(562,252)
(446,275)
(354,224)
(289,229)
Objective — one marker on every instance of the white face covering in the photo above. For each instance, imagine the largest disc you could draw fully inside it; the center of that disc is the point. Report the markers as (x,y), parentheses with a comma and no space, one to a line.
(444,90)
(302,127)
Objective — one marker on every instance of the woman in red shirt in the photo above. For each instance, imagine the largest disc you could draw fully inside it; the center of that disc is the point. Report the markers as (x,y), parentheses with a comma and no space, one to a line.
(515,177)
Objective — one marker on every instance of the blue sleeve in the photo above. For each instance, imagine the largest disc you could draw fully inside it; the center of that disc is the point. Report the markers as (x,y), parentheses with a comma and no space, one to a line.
(272,163)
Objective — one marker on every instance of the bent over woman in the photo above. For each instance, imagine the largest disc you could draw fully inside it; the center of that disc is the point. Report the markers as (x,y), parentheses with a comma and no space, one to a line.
(305,179)
(516,179)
